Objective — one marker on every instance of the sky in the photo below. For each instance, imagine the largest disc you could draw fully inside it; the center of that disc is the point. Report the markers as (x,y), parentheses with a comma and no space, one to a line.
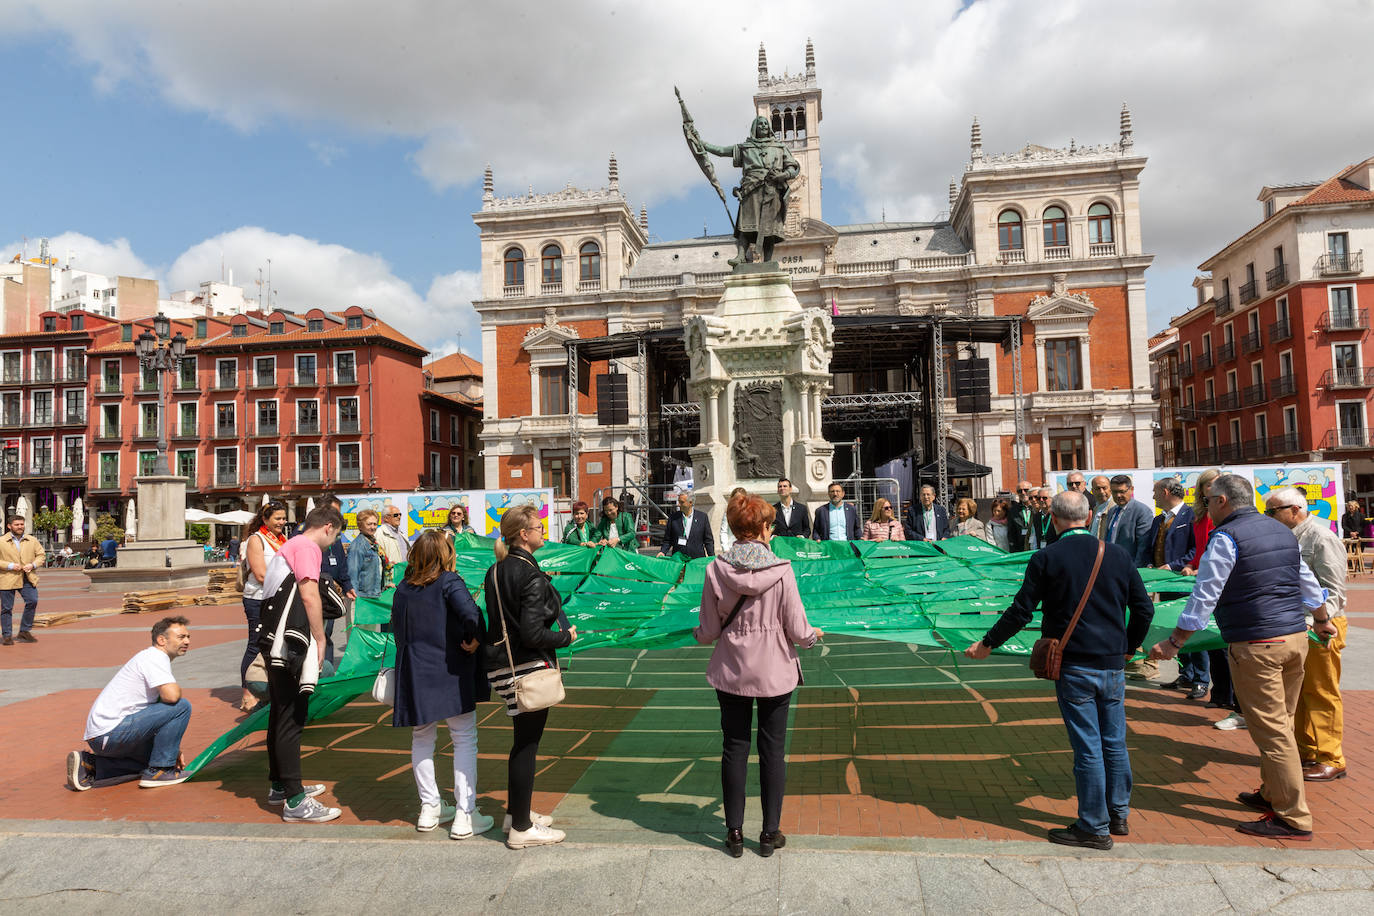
(345,141)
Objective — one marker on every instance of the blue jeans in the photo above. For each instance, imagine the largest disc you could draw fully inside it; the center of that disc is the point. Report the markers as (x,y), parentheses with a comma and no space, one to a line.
(1093,704)
(1195,668)
(149,739)
(30,595)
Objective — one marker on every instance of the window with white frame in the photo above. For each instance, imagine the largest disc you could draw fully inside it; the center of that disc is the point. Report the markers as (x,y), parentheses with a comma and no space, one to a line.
(350,461)
(308,468)
(269,464)
(227,467)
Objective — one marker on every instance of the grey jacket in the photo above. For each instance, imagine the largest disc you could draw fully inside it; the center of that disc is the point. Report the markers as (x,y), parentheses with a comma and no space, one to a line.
(1128,526)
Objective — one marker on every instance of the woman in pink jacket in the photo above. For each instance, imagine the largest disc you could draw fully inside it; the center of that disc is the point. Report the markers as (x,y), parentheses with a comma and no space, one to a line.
(752,611)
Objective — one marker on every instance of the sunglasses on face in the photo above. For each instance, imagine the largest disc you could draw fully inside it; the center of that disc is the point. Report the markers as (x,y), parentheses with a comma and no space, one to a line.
(1275,510)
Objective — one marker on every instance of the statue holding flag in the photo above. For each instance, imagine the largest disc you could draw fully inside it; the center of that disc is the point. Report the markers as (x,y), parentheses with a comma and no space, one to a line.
(768,168)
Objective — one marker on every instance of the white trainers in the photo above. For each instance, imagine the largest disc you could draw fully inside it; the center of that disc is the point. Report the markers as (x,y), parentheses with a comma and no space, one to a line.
(537,835)
(543,820)
(309,811)
(467,824)
(1232,722)
(432,816)
(277,797)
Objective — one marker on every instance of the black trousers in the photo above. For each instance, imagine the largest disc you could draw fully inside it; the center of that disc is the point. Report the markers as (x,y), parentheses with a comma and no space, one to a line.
(524,754)
(286,716)
(1223,689)
(736,720)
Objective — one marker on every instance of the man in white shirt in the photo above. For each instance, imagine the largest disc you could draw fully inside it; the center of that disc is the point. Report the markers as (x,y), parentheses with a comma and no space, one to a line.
(135,726)
(389,536)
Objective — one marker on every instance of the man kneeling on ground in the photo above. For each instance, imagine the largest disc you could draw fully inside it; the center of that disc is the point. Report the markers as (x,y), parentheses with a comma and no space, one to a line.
(136,723)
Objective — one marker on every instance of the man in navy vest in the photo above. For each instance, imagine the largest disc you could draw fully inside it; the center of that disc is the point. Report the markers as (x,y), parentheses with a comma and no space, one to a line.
(1253,578)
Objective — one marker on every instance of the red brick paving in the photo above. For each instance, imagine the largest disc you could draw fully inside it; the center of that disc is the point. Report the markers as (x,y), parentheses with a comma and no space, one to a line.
(941,762)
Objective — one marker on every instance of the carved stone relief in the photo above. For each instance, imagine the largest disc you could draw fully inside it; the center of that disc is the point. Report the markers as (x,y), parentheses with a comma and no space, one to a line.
(758,430)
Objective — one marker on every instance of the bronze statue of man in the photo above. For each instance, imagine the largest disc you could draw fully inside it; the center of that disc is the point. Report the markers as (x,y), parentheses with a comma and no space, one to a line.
(768,170)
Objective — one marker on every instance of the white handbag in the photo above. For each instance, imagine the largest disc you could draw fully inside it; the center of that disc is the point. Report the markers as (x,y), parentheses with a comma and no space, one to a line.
(384,687)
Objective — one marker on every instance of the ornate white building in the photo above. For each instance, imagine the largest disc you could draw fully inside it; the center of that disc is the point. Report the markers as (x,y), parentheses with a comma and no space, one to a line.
(1048,236)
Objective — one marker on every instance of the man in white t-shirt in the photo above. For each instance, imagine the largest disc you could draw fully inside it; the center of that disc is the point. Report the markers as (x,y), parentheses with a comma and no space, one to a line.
(135,725)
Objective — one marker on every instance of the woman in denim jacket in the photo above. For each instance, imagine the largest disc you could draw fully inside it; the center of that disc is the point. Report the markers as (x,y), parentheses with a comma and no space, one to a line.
(366,562)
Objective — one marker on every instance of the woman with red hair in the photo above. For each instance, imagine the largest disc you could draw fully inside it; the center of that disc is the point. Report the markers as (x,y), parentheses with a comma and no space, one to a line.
(752,612)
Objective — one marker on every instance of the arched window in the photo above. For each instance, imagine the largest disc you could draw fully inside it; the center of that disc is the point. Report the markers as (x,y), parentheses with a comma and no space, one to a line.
(514,261)
(801,123)
(777,122)
(789,126)
(551,264)
(589,262)
(1099,224)
(1056,228)
(1009,231)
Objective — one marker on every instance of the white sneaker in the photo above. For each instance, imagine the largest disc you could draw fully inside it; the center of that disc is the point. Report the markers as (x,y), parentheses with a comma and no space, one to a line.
(276,797)
(309,811)
(467,824)
(543,820)
(537,835)
(432,816)
(1232,722)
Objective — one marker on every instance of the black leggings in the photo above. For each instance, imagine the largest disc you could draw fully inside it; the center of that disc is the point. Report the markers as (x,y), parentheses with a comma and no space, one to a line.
(736,719)
(524,753)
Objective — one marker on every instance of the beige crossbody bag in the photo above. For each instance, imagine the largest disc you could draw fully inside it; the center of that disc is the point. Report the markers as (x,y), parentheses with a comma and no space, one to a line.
(538,689)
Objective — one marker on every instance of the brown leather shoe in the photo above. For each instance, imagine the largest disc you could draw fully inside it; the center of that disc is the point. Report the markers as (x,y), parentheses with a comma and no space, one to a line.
(7,641)
(26,636)
(1323,772)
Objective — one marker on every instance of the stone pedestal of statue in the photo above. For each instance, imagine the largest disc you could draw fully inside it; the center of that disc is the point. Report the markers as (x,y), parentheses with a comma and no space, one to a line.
(760,366)
(161,557)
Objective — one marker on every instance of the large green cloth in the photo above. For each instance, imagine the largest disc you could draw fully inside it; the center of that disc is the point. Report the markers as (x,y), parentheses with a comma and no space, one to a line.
(943,596)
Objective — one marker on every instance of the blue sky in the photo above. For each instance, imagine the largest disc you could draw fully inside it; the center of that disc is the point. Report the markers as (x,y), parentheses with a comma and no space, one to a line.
(156,138)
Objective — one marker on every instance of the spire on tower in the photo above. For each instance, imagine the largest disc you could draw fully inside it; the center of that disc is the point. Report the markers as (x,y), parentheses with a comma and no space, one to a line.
(810,60)
(1127,135)
(487,184)
(763,67)
(953,192)
(613,172)
(644,218)
(976,141)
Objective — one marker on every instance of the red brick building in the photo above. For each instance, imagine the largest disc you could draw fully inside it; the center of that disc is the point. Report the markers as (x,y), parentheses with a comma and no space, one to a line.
(452,405)
(1275,361)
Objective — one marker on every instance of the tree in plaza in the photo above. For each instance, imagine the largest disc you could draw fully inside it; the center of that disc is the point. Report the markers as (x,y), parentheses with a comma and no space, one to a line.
(50,521)
(105,527)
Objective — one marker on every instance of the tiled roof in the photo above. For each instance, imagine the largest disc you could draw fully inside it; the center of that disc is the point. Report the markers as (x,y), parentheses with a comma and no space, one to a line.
(335,335)
(456,399)
(455,365)
(1337,190)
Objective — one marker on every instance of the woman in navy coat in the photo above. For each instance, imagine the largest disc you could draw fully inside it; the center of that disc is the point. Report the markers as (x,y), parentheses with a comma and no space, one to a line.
(439,679)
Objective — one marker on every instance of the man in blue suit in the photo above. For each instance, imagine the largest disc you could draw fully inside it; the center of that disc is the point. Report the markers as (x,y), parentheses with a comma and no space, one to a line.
(837,520)
(1172,546)
(689,531)
(1128,522)
(927,521)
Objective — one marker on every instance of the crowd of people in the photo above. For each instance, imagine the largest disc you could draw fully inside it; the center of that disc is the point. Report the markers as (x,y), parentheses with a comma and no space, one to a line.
(1273,582)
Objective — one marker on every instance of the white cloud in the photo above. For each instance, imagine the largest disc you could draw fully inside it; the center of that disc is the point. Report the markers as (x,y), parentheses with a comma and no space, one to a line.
(113,258)
(1227,96)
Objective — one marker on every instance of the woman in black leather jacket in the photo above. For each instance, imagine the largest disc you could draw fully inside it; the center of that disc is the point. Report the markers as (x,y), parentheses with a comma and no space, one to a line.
(522,605)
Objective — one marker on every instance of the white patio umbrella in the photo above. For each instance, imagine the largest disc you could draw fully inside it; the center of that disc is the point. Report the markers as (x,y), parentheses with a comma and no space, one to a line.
(309,505)
(265,499)
(23,508)
(130,522)
(78,520)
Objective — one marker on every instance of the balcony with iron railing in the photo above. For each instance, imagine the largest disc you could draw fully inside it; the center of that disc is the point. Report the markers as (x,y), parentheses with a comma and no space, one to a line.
(108,433)
(1187,456)
(187,385)
(1347,378)
(227,382)
(146,432)
(1335,265)
(1285,444)
(145,387)
(1185,368)
(1253,394)
(1344,320)
(1283,386)
(1206,407)
(269,476)
(309,475)
(263,429)
(1231,453)
(76,374)
(350,475)
(1248,292)
(305,428)
(1205,360)
(1276,277)
(344,428)
(305,378)
(1342,438)
(1223,304)
(1280,330)
(106,482)
(263,380)
(185,431)
(1230,400)
(228,430)
(226,480)
(1186,414)
(1208,455)
(342,376)
(41,377)
(1251,343)
(40,419)
(1255,449)
(1226,352)
(109,386)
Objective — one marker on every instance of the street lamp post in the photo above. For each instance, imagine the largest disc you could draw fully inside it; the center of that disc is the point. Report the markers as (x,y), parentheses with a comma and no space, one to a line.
(164,353)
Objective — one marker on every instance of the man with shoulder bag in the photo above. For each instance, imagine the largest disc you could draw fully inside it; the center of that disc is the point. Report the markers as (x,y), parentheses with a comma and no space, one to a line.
(1081,585)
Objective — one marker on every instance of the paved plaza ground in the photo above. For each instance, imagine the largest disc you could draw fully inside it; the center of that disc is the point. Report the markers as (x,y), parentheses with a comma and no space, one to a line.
(917,780)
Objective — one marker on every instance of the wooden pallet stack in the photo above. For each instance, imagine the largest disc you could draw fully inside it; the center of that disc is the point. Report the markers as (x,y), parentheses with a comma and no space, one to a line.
(224,580)
(152,601)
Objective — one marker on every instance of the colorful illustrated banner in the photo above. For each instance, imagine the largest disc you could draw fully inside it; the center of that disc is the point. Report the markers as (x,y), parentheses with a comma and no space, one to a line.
(430,509)
(1322,483)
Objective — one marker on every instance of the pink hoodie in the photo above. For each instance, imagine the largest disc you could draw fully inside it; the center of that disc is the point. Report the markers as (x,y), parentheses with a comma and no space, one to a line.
(756,657)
